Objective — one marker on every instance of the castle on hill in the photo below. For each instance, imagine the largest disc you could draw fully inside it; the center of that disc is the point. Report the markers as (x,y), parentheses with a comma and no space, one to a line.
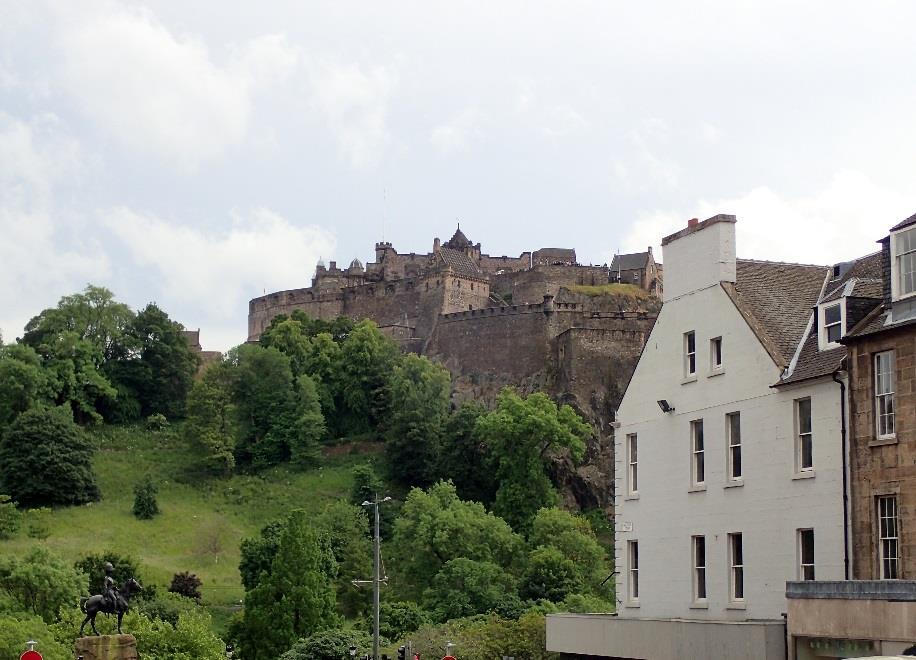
(406,293)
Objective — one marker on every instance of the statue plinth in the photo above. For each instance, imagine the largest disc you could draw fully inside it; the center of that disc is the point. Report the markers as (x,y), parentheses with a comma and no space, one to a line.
(107,647)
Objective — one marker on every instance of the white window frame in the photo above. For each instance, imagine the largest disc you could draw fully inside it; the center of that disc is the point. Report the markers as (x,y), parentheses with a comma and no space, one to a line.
(806,565)
(715,352)
(733,447)
(736,568)
(823,342)
(633,571)
(632,464)
(885,394)
(896,238)
(802,436)
(690,357)
(697,454)
(888,537)
(699,566)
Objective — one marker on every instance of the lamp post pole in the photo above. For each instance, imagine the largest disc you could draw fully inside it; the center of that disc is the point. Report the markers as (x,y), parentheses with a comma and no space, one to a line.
(377,577)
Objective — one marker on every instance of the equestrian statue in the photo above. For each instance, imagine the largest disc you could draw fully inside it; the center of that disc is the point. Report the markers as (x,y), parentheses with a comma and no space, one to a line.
(113,600)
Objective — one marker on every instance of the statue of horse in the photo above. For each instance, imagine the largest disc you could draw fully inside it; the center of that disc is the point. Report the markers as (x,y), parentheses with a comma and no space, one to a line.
(94,604)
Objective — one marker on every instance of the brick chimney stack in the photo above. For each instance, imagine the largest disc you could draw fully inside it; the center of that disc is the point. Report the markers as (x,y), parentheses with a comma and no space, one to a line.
(693,222)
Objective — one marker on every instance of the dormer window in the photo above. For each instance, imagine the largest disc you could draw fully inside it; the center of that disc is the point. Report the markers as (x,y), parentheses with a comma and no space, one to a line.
(832,324)
(903,279)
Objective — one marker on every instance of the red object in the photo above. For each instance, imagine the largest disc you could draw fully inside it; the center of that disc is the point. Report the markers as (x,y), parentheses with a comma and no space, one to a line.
(449,657)
(30,655)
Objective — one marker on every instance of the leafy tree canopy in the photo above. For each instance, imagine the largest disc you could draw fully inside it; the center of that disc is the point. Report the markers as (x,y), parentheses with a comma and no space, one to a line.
(519,435)
(330,645)
(572,536)
(40,583)
(23,382)
(464,458)
(212,424)
(46,459)
(464,587)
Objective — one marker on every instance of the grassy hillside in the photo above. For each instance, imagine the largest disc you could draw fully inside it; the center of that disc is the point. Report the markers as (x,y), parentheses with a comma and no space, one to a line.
(201,524)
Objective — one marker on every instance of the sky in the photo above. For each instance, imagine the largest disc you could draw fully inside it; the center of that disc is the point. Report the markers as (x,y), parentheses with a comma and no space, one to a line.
(198,154)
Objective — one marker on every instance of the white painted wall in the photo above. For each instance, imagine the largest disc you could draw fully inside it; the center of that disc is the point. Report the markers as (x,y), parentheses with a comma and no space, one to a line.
(770,505)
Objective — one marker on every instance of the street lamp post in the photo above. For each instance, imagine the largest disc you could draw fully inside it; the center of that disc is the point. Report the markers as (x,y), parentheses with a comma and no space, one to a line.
(377,579)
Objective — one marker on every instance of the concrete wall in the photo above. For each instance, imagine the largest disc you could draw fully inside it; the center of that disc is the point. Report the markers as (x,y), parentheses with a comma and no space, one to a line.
(607,636)
(769,503)
(883,467)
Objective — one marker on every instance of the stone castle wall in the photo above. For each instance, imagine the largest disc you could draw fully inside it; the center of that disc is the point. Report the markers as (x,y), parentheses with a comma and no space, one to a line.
(530,286)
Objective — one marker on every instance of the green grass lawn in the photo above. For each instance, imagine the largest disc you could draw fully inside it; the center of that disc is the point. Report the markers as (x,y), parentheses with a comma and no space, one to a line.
(201,524)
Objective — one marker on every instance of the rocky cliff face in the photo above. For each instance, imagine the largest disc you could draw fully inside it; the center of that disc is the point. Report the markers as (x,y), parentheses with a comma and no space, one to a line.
(580,349)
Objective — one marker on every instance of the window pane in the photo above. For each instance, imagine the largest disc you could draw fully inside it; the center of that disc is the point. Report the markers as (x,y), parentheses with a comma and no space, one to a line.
(834,333)
(736,461)
(701,469)
(831,314)
(739,582)
(804,415)
(691,342)
(807,458)
(737,549)
(701,583)
(807,546)
(701,550)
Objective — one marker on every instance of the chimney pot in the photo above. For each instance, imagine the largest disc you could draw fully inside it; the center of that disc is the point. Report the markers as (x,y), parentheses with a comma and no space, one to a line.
(693,222)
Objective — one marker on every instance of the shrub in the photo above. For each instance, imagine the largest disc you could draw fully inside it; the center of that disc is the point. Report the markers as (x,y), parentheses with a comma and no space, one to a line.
(145,505)
(186,584)
(38,523)
(10,518)
(157,422)
(329,645)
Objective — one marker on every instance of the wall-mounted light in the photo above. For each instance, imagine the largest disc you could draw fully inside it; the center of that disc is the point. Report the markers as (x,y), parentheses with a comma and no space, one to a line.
(663,404)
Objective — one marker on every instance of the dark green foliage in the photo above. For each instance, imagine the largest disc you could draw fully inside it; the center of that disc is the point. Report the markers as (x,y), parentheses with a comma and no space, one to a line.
(366,486)
(166,607)
(463,457)
(157,422)
(145,505)
(519,435)
(38,523)
(436,526)
(40,583)
(17,627)
(23,382)
(211,426)
(46,459)
(295,600)
(257,554)
(345,527)
(186,584)
(153,364)
(399,618)
(550,575)
(366,360)
(572,536)
(418,393)
(305,447)
(330,645)
(464,587)
(92,566)
(10,518)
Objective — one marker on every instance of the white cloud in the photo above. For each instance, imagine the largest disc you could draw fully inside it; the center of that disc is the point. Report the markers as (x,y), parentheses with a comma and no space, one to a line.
(456,135)
(839,222)
(162,94)
(44,253)
(216,273)
(354,103)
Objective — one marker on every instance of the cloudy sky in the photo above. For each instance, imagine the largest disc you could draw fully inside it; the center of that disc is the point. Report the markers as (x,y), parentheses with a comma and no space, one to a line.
(200,153)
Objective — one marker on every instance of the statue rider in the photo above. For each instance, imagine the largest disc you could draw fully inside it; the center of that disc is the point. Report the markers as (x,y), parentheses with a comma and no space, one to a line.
(109,589)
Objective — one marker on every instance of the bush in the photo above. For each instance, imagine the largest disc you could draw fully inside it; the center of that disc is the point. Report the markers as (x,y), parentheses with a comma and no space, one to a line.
(40,583)
(10,518)
(46,445)
(38,523)
(186,584)
(145,505)
(166,607)
(157,422)
(330,645)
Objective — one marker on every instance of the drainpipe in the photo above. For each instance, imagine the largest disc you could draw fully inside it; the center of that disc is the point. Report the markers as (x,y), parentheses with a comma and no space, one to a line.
(842,385)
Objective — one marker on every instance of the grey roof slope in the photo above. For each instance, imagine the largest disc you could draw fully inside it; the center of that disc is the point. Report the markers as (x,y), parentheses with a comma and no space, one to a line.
(460,263)
(867,271)
(906,223)
(562,254)
(457,241)
(776,300)
(632,261)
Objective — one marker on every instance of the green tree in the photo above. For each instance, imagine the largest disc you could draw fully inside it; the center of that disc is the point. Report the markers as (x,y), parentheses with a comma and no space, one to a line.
(186,584)
(266,406)
(329,645)
(305,447)
(435,526)
(322,364)
(367,358)
(464,587)
(575,540)
(346,529)
(366,486)
(145,505)
(10,518)
(257,554)
(23,382)
(519,434)
(288,337)
(93,567)
(550,575)
(40,583)
(153,362)
(297,598)
(17,627)
(46,445)
(463,458)
(399,618)
(211,427)
(418,393)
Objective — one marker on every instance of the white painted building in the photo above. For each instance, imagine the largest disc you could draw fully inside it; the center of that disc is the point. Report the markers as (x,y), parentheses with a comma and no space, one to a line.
(729,455)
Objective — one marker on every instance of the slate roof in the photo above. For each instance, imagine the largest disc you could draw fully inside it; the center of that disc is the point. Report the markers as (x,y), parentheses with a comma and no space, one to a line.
(566,255)
(776,300)
(906,223)
(460,263)
(458,240)
(866,274)
(635,261)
